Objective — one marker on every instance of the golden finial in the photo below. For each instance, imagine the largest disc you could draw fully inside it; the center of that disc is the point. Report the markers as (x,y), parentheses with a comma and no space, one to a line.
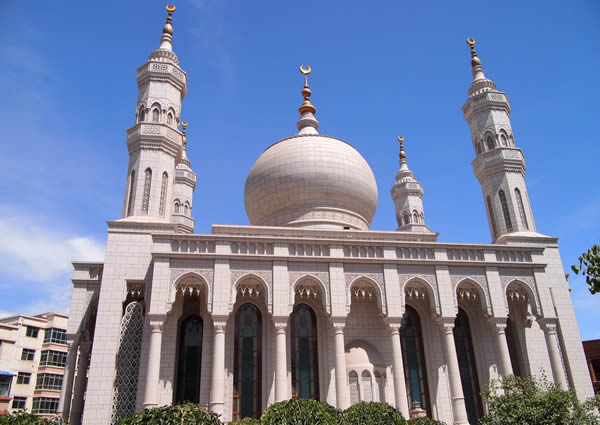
(402,153)
(168,28)
(306,106)
(474,59)
(184,125)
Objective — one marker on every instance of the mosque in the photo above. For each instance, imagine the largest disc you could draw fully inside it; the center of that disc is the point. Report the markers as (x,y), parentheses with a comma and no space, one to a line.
(307,301)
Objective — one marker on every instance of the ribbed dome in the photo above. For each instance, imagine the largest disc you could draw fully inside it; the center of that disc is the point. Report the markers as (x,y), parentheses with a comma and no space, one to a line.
(311,180)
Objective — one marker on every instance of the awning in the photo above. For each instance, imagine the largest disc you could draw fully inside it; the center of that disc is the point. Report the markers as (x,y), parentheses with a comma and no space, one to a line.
(3,373)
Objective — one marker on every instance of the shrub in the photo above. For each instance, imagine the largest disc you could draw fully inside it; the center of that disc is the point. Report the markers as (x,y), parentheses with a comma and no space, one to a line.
(177,414)
(23,418)
(301,412)
(424,421)
(371,413)
(246,421)
(530,401)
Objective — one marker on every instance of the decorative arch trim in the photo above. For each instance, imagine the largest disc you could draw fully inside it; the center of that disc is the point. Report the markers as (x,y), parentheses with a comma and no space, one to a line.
(266,295)
(484,297)
(324,298)
(533,301)
(434,302)
(378,292)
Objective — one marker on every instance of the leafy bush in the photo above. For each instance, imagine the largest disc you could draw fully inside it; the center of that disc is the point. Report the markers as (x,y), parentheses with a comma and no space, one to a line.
(301,412)
(372,413)
(527,401)
(246,421)
(23,418)
(424,421)
(177,414)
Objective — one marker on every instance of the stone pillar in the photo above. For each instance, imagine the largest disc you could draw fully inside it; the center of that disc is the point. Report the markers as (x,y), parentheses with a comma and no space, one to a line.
(66,393)
(398,372)
(458,399)
(80,382)
(341,382)
(281,381)
(153,374)
(217,387)
(553,346)
(502,346)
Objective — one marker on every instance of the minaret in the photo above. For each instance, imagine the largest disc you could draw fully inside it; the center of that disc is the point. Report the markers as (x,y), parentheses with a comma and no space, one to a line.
(407,194)
(183,189)
(499,164)
(155,143)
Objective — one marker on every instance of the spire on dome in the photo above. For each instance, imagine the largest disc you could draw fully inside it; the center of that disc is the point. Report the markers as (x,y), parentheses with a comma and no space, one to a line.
(477,69)
(184,158)
(166,40)
(307,124)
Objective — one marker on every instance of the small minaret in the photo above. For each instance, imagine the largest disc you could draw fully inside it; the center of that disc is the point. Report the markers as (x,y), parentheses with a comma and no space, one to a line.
(183,189)
(499,164)
(407,194)
(154,142)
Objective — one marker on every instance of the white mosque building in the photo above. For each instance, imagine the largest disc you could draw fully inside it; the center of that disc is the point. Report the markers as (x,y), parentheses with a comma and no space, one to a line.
(307,301)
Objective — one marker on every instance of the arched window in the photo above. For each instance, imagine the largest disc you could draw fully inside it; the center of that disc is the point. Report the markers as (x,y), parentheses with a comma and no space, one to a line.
(380,390)
(305,353)
(170,118)
(353,384)
(492,217)
(147,187)
(186,208)
(521,209)
(467,367)
(128,362)
(513,345)
(190,360)
(247,373)
(505,212)
(415,217)
(490,142)
(479,148)
(131,189)
(367,386)
(176,206)
(406,218)
(142,114)
(413,354)
(503,140)
(163,194)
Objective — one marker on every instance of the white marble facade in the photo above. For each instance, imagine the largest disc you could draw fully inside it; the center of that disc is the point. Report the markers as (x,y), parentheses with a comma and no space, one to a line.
(310,199)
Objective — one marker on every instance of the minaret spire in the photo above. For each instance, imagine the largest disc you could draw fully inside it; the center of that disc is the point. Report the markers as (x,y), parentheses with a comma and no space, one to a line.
(307,124)
(166,40)
(477,69)
(184,158)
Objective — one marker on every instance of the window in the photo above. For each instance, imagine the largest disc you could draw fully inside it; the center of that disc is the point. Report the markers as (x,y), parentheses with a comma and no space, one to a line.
(490,142)
(367,386)
(23,378)
(176,207)
(49,381)
(415,217)
(492,218)
(505,212)
(305,353)
(467,367)
(32,331)
(247,368)
(190,359)
(163,194)
(521,209)
(155,115)
(170,119)
(406,219)
(186,207)
(19,402)
(131,188)
(5,382)
(27,354)
(53,358)
(147,186)
(413,354)
(503,140)
(479,148)
(142,114)
(43,405)
(353,384)
(55,335)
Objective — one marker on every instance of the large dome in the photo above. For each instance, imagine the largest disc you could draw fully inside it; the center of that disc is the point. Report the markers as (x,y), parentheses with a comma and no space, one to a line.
(311,180)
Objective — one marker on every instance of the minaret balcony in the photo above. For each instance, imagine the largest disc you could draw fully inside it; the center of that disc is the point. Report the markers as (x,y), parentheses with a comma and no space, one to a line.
(162,71)
(484,102)
(154,136)
(499,160)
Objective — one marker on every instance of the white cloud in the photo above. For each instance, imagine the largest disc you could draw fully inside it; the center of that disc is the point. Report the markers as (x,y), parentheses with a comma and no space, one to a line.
(41,254)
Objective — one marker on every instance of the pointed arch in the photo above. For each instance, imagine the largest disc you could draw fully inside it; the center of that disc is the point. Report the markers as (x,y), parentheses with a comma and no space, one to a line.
(186,208)
(310,286)
(366,288)
(176,206)
(470,289)
(405,218)
(147,188)
(142,113)
(156,112)
(163,193)
(131,193)
(521,209)
(505,211)
(251,286)
(189,359)
(489,140)
(413,353)
(418,288)
(521,288)
(492,218)
(415,216)
(304,352)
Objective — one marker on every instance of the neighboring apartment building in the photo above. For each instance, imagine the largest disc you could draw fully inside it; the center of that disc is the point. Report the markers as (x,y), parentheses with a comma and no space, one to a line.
(592,355)
(33,351)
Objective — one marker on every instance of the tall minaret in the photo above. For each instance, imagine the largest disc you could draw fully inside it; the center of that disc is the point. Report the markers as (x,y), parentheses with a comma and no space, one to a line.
(155,143)
(407,194)
(499,164)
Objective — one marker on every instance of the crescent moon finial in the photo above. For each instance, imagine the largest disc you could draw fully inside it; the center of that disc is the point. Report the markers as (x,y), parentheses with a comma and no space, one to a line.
(305,69)
(184,124)
(471,41)
(170,8)
(401,139)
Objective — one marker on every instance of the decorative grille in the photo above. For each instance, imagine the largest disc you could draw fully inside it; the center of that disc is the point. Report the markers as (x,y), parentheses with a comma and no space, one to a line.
(521,209)
(128,362)
(131,189)
(163,194)
(147,184)
(504,205)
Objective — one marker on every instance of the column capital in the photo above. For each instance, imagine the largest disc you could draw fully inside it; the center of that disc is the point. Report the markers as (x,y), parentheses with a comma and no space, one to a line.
(446,323)
(156,321)
(548,325)
(339,323)
(395,323)
(220,322)
(280,324)
(499,323)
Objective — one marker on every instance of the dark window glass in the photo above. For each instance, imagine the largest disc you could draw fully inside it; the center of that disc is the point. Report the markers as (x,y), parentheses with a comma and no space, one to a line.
(415,372)
(53,358)
(44,405)
(190,360)
(5,382)
(247,375)
(19,402)
(49,381)
(54,335)
(468,369)
(492,217)
(27,354)
(32,331)
(305,353)
(504,205)
(23,378)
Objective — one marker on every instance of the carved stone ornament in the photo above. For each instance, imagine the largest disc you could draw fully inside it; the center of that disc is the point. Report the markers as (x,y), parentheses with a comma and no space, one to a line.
(361,281)
(410,277)
(305,284)
(526,278)
(201,273)
(250,283)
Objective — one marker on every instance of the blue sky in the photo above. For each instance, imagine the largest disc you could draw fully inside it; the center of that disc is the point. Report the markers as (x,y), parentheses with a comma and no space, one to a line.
(380,69)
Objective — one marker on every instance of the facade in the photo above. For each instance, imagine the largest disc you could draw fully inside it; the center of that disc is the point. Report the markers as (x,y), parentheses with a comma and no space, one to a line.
(307,301)
(592,355)
(33,353)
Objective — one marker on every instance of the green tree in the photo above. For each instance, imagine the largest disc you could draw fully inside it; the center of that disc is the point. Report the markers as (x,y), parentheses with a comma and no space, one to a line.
(589,265)
(372,413)
(301,412)
(177,414)
(23,418)
(424,421)
(527,401)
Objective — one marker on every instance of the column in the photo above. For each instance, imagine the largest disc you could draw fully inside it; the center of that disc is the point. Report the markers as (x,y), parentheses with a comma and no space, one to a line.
(153,374)
(341,381)
(80,382)
(502,345)
(66,393)
(458,399)
(398,373)
(281,381)
(217,388)
(558,371)
(374,388)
